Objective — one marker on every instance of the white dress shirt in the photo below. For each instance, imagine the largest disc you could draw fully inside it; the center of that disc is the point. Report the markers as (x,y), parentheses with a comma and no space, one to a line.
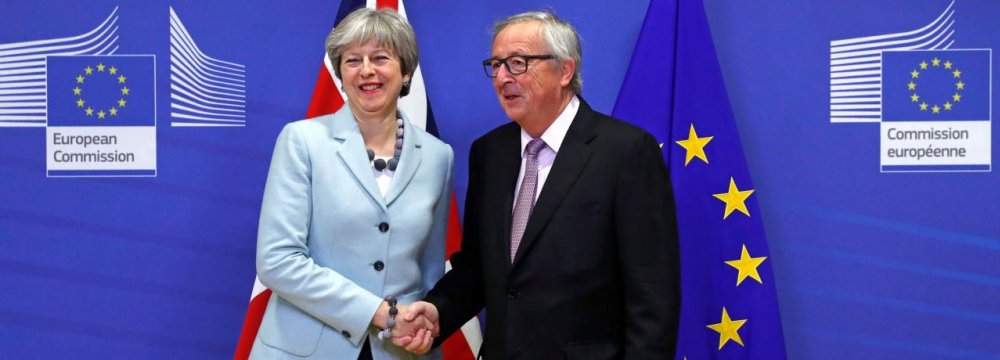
(553,138)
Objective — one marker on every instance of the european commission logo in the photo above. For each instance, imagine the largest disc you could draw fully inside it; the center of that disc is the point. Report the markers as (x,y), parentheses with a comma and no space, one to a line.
(936,110)
(101,116)
(99,106)
(933,103)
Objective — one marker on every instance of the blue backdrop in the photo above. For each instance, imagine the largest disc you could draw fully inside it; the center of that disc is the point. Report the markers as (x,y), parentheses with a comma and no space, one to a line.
(867,264)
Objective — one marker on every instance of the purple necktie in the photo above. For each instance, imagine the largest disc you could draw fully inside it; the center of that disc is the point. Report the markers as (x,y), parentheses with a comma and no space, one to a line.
(525,195)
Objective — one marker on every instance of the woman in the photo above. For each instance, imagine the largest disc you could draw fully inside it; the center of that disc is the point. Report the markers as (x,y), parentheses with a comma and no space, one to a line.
(355,207)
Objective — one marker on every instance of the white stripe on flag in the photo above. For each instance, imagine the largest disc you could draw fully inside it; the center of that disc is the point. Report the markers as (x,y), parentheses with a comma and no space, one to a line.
(257,288)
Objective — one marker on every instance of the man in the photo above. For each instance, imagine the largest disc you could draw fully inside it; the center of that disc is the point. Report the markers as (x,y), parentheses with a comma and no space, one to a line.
(570,235)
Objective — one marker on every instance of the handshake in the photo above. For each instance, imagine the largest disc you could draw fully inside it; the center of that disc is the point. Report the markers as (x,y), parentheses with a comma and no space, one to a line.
(416,325)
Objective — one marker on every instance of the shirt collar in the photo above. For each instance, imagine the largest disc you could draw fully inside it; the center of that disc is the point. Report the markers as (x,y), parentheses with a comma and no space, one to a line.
(554,135)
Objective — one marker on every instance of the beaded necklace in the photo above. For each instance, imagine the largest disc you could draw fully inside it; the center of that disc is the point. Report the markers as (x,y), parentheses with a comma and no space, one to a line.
(381,165)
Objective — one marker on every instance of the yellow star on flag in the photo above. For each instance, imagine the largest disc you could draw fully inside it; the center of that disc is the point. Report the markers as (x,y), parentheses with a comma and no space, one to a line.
(77,90)
(947,106)
(923,65)
(957,74)
(911,86)
(121,79)
(79,79)
(936,109)
(125,90)
(947,64)
(936,61)
(113,70)
(747,266)
(79,103)
(956,97)
(695,146)
(734,199)
(100,67)
(923,106)
(89,111)
(88,70)
(121,102)
(915,74)
(915,97)
(960,85)
(113,111)
(100,114)
(728,329)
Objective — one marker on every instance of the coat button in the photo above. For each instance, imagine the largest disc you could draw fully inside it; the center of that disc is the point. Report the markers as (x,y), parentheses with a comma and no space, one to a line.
(512,293)
(383,227)
(347,334)
(379,265)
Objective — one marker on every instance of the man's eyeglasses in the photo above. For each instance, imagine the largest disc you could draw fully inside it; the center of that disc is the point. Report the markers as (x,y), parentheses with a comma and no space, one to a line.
(516,64)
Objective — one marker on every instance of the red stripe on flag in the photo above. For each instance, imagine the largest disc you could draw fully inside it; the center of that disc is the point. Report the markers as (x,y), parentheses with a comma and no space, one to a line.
(456,348)
(325,99)
(394,4)
(255,313)
(454,239)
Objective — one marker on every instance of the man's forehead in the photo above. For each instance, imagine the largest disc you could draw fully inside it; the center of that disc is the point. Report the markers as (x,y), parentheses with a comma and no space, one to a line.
(518,39)
(521,30)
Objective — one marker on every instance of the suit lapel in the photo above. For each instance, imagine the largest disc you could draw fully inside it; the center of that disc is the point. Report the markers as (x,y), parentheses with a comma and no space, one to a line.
(508,169)
(572,158)
(497,164)
(409,161)
(353,153)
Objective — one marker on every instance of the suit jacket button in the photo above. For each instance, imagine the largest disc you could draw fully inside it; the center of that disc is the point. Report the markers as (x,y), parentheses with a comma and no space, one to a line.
(512,293)
(383,227)
(379,265)
(347,334)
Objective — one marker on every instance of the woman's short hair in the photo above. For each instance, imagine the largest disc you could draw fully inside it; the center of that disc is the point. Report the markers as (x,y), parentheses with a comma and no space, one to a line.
(560,37)
(389,30)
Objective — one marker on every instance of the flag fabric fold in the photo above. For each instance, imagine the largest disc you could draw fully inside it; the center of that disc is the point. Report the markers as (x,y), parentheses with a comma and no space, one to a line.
(327,98)
(674,89)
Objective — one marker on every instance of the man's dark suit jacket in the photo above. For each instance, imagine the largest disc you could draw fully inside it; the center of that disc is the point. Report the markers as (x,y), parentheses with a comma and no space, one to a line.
(596,275)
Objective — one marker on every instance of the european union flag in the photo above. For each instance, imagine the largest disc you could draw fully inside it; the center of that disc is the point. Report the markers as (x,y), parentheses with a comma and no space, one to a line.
(100,91)
(674,88)
(936,85)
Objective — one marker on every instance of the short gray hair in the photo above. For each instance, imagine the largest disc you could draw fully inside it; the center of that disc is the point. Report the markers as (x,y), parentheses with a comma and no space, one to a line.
(389,30)
(560,37)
